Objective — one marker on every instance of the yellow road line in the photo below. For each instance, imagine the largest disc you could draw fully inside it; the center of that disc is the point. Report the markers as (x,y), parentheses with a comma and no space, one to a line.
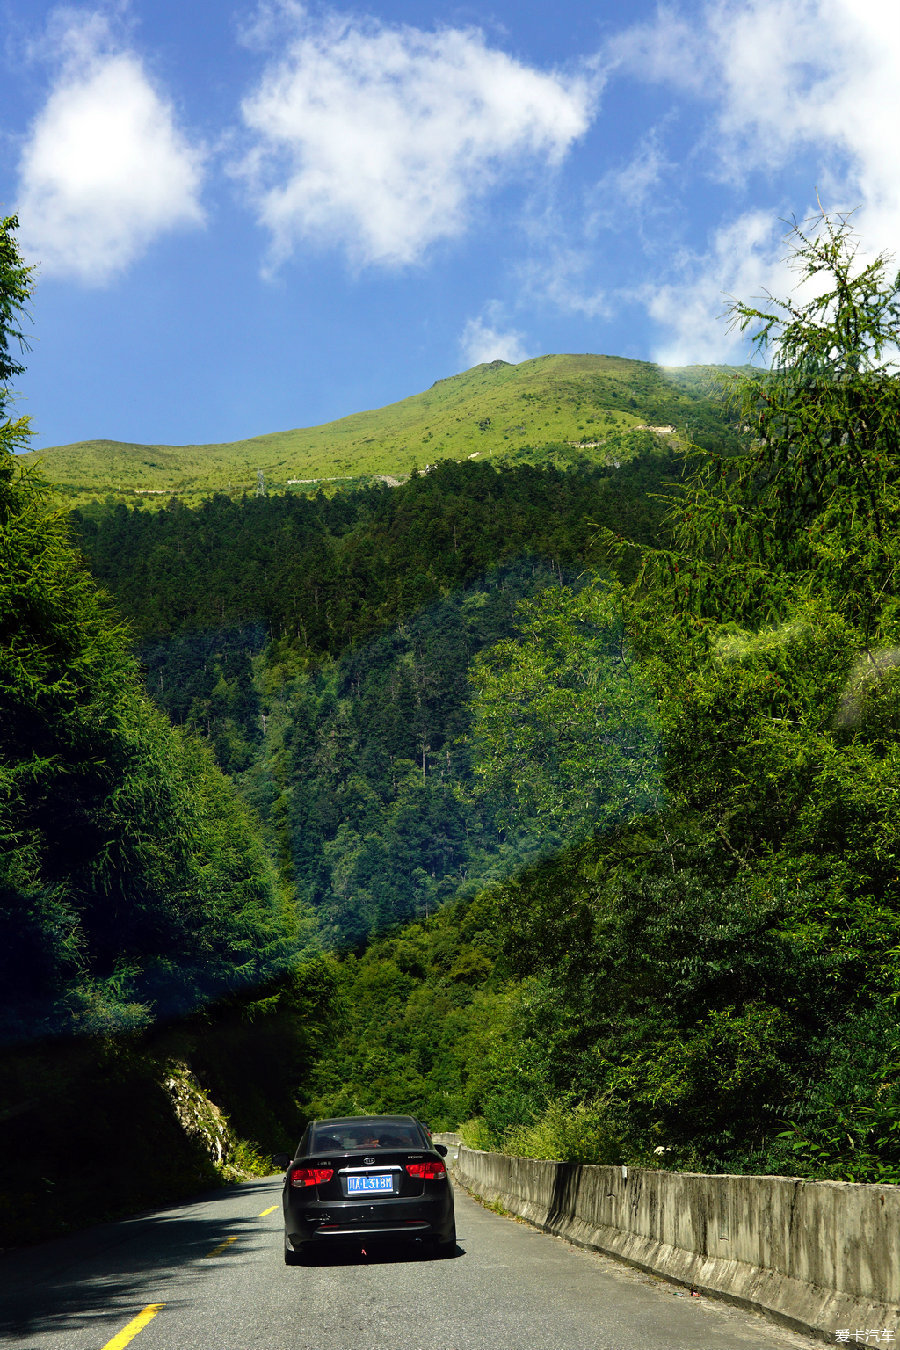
(136,1324)
(221,1247)
(270,1210)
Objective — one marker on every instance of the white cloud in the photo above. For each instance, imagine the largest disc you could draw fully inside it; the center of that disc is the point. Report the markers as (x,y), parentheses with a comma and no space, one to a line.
(104,169)
(824,76)
(744,261)
(480,342)
(625,194)
(561,276)
(790,83)
(379,139)
(665,49)
(819,71)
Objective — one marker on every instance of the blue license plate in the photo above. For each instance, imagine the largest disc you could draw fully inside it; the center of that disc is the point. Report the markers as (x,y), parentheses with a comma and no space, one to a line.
(365,1185)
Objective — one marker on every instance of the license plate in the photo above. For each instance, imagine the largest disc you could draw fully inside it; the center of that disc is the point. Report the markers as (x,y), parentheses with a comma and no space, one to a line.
(365,1185)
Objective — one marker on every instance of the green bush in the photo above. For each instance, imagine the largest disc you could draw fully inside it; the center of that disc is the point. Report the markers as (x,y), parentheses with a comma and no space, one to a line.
(567,1131)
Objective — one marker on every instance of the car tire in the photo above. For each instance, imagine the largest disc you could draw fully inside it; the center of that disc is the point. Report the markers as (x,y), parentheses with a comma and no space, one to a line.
(292,1257)
(445,1249)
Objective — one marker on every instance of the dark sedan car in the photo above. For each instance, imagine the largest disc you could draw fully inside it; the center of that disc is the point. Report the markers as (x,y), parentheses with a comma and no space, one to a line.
(365,1179)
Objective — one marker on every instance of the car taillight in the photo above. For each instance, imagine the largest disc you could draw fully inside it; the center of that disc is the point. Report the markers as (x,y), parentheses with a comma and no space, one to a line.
(310,1176)
(428,1171)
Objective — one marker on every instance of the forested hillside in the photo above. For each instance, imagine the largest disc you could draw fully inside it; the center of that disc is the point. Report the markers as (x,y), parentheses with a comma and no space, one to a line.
(322,646)
(324,573)
(710,980)
(143,921)
(134,882)
(584,774)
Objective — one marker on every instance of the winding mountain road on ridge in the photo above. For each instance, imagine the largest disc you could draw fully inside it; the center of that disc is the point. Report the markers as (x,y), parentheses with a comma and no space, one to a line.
(209,1276)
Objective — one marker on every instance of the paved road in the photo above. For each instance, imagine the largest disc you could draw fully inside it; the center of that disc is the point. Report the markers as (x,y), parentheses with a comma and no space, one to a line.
(210,1276)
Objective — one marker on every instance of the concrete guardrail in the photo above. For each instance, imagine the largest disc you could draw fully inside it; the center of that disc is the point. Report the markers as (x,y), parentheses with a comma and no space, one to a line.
(820,1256)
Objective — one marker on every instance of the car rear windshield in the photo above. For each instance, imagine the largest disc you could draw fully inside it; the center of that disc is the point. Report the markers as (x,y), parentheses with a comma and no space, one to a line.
(341,1138)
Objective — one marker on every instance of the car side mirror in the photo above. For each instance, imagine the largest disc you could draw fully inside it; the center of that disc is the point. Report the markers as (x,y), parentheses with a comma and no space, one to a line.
(441,1149)
(281,1160)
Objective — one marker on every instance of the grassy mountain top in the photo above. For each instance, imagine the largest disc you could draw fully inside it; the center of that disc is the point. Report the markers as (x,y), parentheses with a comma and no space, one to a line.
(551,404)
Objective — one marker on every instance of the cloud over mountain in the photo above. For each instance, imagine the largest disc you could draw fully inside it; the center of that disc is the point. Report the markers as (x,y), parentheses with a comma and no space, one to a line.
(785,84)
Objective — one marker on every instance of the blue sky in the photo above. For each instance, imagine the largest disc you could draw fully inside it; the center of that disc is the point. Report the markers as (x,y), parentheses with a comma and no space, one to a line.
(254,216)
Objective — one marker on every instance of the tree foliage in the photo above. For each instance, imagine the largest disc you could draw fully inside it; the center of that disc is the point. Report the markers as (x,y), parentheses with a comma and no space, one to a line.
(809,505)
(564,726)
(718,979)
(334,686)
(15,294)
(701,952)
(133,881)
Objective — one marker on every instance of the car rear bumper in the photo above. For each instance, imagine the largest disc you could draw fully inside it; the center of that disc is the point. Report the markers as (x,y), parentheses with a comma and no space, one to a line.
(395,1220)
(355,1232)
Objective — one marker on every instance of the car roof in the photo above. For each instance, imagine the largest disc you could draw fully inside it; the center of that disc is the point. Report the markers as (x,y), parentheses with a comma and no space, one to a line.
(357,1120)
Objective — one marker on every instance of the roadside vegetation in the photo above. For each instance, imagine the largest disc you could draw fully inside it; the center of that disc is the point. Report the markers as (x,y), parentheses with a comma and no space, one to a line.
(137,893)
(710,979)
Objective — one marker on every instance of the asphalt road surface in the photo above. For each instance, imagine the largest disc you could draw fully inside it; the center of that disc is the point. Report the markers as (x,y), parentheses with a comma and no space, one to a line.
(210,1276)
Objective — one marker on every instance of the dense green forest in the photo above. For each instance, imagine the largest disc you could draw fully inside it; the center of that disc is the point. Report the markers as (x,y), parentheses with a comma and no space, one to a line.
(134,880)
(335,693)
(563,795)
(144,925)
(711,979)
(323,574)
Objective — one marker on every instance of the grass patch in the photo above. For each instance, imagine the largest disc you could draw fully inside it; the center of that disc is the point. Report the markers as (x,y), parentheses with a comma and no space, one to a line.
(546,409)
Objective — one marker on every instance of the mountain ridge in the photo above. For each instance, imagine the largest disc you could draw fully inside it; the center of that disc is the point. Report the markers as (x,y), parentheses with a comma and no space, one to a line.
(561,403)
